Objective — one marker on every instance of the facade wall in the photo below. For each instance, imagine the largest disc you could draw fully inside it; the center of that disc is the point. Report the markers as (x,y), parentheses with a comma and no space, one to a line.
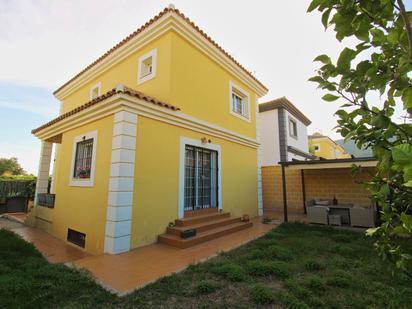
(83,208)
(328,149)
(324,184)
(185,77)
(155,202)
(125,73)
(268,127)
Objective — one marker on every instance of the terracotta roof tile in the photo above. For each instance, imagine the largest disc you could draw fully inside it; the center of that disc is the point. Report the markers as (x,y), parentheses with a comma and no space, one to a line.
(147,24)
(124,90)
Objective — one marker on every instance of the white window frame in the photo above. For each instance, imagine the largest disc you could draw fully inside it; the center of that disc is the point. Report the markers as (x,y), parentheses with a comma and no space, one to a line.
(88,182)
(197,143)
(141,79)
(290,119)
(233,88)
(316,145)
(99,90)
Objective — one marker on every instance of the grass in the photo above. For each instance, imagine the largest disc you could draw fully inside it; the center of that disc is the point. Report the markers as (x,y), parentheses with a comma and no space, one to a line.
(293,266)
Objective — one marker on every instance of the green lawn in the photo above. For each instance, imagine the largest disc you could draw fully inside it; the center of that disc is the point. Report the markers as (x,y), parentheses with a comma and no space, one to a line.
(293,266)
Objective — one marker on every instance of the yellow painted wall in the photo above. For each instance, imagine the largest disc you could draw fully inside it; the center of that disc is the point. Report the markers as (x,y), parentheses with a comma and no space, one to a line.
(125,73)
(185,77)
(201,88)
(157,178)
(328,148)
(83,208)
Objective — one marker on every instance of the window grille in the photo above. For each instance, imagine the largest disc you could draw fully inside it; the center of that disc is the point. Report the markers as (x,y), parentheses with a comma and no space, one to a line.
(83,159)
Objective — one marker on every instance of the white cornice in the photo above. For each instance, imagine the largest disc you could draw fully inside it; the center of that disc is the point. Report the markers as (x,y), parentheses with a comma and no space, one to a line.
(170,21)
(124,102)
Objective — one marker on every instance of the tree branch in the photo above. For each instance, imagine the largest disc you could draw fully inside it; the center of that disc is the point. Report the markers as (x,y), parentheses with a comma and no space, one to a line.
(408,27)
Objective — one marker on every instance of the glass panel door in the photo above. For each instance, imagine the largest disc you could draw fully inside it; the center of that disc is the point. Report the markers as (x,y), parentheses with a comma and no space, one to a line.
(201,183)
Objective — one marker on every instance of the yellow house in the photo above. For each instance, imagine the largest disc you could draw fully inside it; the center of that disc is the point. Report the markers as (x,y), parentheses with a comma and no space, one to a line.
(161,127)
(323,146)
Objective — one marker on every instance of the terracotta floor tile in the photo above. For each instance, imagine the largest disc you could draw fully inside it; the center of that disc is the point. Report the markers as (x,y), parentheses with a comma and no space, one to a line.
(130,270)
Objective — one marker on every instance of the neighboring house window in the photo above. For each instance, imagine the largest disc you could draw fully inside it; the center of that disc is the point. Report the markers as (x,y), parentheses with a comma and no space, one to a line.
(147,66)
(84,160)
(293,128)
(316,147)
(239,102)
(95,91)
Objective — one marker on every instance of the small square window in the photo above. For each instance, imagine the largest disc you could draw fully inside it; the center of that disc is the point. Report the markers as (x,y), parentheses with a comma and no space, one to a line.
(293,128)
(316,147)
(239,102)
(147,66)
(95,91)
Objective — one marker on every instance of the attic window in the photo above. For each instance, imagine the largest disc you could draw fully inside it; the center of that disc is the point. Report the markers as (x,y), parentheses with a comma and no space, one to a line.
(239,102)
(147,66)
(95,91)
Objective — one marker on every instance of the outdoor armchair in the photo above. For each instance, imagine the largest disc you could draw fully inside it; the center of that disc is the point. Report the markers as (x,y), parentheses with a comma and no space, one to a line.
(364,217)
(317,214)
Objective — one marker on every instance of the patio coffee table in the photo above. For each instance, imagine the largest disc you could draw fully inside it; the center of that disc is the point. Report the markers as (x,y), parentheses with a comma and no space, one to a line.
(342,210)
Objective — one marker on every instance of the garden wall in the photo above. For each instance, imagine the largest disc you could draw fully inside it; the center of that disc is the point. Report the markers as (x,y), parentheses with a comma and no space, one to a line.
(322,183)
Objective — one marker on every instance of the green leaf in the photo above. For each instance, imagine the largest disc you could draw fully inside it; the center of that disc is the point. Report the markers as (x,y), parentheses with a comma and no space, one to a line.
(407,98)
(325,18)
(330,97)
(313,5)
(345,58)
(316,79)
(323,58)
(402,154)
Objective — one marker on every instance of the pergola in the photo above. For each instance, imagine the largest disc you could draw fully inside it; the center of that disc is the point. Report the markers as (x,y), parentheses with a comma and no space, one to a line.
(317,164)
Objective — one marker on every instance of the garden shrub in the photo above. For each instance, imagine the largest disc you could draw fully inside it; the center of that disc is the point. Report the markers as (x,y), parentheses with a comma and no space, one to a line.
(314,265)
(291,302)
(316,283)
(340,279)
(342,238)
(267,268)
(262,295)
(232,272)
(206,287)
(279,253)
(297,289)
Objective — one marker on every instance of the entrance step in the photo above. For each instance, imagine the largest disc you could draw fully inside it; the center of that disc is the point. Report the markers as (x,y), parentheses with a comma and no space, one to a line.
(208,234)
(203,226)
(200,219)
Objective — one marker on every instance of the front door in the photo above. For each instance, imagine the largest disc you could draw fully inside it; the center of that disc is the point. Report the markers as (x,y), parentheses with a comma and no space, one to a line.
(201,183)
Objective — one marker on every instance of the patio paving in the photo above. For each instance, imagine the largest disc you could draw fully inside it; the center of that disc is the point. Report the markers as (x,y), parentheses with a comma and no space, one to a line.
(128,271)
(52,248)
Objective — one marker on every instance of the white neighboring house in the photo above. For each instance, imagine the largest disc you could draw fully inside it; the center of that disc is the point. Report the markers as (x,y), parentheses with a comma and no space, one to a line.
(283,132)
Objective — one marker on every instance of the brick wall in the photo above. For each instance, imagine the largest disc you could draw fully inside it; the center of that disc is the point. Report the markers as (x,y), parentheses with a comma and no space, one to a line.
(324,183)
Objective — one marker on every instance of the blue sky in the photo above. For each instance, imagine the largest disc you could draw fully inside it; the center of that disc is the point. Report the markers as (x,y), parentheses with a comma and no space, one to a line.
(47,42)
(23,108)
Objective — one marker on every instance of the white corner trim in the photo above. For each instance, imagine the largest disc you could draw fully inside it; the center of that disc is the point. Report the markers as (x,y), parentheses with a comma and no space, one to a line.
(99,90)
(141,79)
(121,183)
(246,104)
(84,182)
(198,143)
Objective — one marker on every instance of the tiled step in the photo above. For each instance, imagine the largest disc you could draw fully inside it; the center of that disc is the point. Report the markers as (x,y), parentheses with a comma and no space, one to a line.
(204,226)
(176,241)
(200,219)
